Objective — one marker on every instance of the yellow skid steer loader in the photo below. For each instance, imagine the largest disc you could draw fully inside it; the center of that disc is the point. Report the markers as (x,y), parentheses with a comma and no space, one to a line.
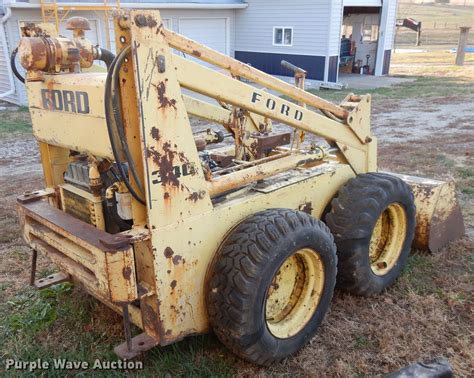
(183,233)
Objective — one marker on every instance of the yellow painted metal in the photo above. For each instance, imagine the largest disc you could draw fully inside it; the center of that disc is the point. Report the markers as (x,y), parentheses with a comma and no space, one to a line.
(67,129)
(387,239)
(239,69)
(294,293)
(207,111)
(131,123)
(80,251)
(203,80)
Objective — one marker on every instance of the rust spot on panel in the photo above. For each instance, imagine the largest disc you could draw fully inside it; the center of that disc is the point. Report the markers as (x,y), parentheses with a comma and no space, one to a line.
(177,259)
(155,133)
(166,195)
(151,318)
(173,284)
(159,30)
(196,53)
(145,21)
(165,164)
(127,272)
(164,101)
(195,196)
(78,23)
(168,252)
(306,207)
(31,29)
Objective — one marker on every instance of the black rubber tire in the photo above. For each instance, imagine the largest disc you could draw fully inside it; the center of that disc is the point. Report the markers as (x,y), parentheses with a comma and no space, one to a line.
(242,272)
(354,213)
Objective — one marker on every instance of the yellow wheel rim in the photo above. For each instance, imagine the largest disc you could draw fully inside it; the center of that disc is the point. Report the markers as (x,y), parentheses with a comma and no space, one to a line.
(294,293)
(387,239)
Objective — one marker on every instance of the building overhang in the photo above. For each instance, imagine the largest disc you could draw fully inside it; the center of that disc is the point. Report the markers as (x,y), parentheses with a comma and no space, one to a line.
(84,6)
(362,3)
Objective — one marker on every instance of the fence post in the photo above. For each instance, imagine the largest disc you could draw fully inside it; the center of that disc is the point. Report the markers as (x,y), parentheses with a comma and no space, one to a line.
(464,33)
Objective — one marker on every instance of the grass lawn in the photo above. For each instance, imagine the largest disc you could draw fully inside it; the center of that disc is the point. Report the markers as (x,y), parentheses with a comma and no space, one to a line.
(440,24)
(15,121)
(421,87)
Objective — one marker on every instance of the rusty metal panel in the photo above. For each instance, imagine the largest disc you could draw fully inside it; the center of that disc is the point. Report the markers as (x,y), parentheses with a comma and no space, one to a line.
(101,261)
(438,214)
(176,185)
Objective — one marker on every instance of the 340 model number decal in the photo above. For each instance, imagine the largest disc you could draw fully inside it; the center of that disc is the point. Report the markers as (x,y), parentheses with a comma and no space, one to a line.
(174,174)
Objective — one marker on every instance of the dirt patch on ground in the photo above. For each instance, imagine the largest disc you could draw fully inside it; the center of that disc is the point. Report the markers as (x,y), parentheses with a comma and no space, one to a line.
(422,119)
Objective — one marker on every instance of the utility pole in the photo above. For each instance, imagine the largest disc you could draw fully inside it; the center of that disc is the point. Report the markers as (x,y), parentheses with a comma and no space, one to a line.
(462,45)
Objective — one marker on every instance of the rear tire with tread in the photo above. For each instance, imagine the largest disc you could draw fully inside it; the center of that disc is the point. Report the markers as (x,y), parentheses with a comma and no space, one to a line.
(242,273)
(352,220)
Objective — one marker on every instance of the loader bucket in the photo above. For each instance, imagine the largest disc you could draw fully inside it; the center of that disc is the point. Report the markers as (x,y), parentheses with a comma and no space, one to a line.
(438,214)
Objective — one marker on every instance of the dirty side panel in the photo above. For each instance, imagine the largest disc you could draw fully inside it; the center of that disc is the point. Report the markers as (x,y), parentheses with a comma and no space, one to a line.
(184,251)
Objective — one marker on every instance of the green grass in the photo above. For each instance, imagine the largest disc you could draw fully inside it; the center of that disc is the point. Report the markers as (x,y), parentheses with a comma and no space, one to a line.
(362,342)
(15,121)
(469,191)
(421,87)
(416,276)
(443,160)
(466,172)
(64,323)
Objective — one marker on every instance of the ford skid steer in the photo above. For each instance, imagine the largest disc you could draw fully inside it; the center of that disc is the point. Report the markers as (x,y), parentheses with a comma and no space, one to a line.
(236,229)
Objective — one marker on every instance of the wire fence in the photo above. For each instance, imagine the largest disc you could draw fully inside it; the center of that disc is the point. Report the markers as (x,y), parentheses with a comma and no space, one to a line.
(446,36)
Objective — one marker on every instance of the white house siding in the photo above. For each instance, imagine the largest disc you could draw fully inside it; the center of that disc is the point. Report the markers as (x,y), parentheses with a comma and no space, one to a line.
(5,85)
(390,23)
(170,16)
(334,41)
(386,36)
(310,21)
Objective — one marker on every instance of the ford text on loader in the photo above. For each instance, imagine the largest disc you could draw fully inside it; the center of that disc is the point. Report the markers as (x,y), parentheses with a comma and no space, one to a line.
(182,233)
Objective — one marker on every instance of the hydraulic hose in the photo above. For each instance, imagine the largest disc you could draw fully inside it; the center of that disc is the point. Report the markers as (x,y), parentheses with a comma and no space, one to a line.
(109,118)
(118,117)
(106,56)
(13,65)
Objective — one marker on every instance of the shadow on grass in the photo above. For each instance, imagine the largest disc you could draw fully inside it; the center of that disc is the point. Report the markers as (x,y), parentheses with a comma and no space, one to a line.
(62,323)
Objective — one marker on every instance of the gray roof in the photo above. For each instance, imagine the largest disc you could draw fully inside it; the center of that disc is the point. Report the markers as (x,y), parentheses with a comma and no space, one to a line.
(110,2)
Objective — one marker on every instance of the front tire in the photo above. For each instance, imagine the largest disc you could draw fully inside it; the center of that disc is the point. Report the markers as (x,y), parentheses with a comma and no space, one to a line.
(271,284)
(373,223)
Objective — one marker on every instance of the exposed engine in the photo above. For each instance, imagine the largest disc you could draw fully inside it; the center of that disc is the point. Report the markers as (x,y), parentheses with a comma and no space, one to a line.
(93,193)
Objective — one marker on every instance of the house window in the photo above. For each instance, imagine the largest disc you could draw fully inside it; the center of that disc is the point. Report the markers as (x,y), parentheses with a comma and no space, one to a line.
(282,36)
(370,33)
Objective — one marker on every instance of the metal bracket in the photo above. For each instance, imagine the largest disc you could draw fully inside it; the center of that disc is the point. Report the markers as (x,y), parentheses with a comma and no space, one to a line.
(48,281)
(28,197)
(139,344)
(52,279)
